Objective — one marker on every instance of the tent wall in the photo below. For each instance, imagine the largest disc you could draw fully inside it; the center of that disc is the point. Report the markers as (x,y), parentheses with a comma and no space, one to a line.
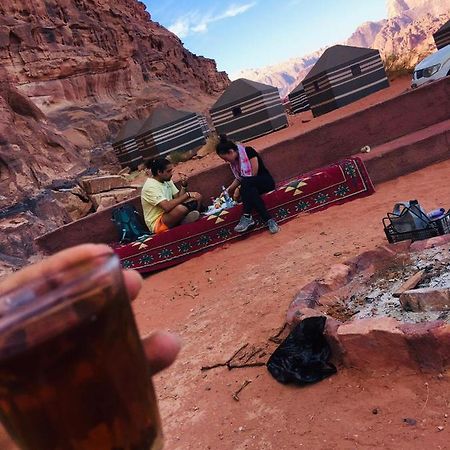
(182,135)
(299,101)
(251,116)
(128,153)
(345,84)
(442,36)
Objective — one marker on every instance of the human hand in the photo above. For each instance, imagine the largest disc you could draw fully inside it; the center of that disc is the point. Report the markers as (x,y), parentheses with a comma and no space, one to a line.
(160,348)
(183,180)
(236,194)
(195,195)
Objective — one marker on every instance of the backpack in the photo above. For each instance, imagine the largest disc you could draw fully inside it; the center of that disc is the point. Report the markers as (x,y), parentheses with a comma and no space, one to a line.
(129,224)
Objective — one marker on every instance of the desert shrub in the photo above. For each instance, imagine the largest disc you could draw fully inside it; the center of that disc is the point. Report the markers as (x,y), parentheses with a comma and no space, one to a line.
(179,156)
(397,66)
(210,145)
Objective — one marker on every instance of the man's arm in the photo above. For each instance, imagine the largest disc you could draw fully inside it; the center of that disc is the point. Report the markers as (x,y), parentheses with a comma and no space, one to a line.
(168,205)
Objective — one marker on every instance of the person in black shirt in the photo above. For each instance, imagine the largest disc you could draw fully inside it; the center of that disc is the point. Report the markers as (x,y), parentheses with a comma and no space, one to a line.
(253,178)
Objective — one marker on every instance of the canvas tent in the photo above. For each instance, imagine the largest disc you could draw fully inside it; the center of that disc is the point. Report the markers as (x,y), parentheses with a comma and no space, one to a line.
(342,75)
(167,130)
(442,36)
(125,145)
(298,99)
(248,109)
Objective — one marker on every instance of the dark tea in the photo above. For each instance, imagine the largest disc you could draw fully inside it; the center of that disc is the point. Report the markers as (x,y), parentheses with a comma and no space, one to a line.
(73,374)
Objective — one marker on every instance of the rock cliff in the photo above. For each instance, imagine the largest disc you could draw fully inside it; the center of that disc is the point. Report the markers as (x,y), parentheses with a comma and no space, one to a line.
(71,71)
(90,64)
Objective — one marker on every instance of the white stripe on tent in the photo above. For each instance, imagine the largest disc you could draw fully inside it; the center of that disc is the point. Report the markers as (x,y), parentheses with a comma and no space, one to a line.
(344,82)
(246,102)
(331,74)
(442,41)
(161,135)
(173,149)
(364,69)
(248,113)
(344,77)
(170,125)
(253,125)
(346,94)
(255,103)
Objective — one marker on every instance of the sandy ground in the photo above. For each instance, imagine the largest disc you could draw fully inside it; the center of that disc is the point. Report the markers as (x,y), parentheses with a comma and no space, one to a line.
(239,294)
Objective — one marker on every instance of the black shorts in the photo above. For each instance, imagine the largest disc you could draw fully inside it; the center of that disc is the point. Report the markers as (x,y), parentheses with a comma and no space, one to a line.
(191,206)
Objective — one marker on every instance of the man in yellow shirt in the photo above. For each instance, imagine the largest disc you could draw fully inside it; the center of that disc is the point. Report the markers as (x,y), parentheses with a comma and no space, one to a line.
(163,205)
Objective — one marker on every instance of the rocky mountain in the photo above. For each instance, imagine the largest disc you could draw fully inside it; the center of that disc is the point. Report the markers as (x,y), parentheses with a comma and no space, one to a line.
(72,71)
(403,39)
(89,64)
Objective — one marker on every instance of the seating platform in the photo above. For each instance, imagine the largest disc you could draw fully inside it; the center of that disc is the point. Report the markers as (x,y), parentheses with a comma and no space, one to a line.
(335,184)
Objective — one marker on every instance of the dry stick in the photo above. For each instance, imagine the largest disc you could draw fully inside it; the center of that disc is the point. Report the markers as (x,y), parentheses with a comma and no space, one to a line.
(236,394)
(275,338)
(426,400)
(256,364)
(226,363)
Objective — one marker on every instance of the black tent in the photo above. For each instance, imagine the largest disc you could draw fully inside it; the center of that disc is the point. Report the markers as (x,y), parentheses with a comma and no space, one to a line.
(167,130)
(342,75)
(248,109)
(125,145)
(298,99)
(442,36)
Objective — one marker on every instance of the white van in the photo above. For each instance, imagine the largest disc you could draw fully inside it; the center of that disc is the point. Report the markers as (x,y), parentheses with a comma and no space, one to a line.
(433,67)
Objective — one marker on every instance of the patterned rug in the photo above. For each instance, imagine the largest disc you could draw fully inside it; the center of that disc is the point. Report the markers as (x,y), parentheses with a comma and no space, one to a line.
(338,183)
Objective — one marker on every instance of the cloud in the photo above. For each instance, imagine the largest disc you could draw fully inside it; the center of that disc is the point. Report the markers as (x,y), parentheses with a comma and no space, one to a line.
(180,28)
(196,22)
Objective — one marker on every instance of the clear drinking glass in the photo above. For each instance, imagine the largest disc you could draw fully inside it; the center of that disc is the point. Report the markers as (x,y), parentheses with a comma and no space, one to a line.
(73,374)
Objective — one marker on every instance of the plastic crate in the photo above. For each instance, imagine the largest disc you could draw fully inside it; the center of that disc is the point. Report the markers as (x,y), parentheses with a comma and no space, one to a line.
(434,228)
(443,224)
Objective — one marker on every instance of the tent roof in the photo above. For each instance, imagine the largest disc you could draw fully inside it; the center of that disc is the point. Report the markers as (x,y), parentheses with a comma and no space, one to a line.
(240,89)
(297,89)
(336,56)
(444,27)
(163,115)
(128,130)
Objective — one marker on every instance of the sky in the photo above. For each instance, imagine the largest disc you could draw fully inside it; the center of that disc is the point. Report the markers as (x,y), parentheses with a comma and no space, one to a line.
(248,34)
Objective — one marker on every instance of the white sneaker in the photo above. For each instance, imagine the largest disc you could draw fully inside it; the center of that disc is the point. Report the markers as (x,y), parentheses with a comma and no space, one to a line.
(272,226)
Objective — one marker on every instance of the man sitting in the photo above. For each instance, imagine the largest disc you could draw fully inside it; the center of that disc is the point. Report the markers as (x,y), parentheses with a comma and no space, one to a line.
(165,206)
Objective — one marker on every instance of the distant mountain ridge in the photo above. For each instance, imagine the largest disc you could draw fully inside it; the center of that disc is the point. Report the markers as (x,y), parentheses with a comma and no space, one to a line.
(404,38)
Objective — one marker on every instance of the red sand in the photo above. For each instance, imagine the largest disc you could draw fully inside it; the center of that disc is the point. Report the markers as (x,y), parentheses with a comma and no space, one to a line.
(239,294)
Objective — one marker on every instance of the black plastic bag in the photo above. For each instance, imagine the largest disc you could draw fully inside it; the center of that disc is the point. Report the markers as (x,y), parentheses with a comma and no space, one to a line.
(303,356)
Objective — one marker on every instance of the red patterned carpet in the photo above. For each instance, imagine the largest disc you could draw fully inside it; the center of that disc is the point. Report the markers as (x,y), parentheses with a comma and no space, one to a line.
(338,183)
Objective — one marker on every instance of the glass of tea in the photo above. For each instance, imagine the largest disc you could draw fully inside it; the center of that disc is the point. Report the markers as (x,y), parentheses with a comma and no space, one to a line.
(73,374)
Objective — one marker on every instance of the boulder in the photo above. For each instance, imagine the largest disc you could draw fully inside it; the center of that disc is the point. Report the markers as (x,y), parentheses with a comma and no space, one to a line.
(426,299)
(75,203)
(98,184)
(375,345)
(105,199)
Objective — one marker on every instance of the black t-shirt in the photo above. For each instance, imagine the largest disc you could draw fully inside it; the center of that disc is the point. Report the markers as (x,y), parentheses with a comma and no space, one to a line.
(262,170)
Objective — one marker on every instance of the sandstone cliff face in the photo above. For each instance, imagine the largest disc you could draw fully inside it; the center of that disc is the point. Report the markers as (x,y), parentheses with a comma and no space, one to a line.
(89,65)
(71,71)
(33,154)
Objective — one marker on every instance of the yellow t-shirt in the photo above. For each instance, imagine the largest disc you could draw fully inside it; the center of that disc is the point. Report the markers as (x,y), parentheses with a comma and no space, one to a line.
(153,193)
